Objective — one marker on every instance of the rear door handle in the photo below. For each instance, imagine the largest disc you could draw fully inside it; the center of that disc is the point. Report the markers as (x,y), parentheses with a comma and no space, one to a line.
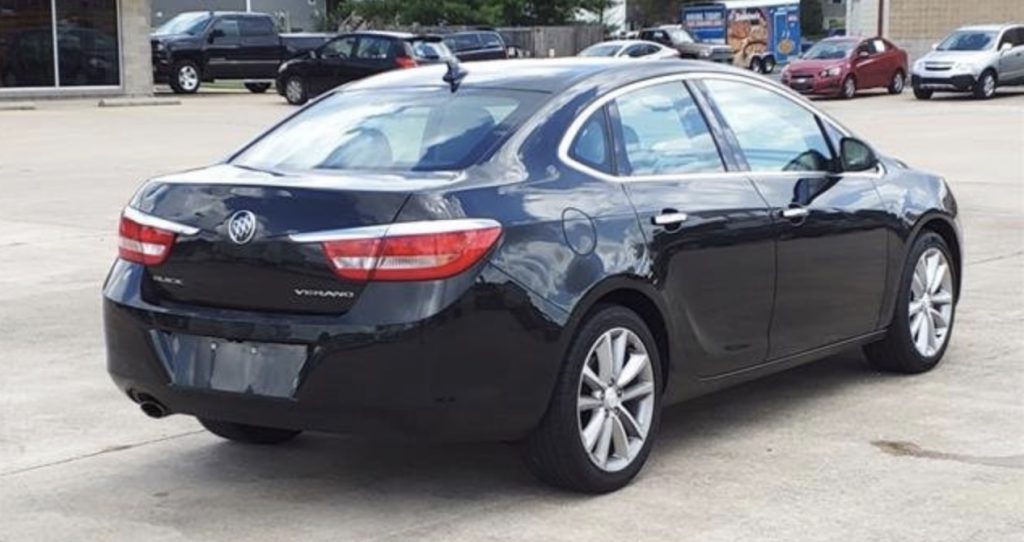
(793,213)
(668,219)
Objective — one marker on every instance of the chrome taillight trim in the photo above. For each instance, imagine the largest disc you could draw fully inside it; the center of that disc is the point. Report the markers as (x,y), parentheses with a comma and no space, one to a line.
(139,217)
(424,227)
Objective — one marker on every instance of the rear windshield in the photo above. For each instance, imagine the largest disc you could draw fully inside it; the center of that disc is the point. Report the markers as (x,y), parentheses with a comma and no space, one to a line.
(405,130)
(600,50)
(429,50)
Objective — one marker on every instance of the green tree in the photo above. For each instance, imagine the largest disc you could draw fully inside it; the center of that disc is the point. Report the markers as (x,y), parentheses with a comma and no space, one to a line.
(811,16)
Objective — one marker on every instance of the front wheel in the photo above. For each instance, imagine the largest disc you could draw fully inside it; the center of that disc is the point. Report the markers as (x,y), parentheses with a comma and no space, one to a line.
(295,90)
(897,83)
(925,307)
(185,78)
(849,88)
(248,434)
(922,94)
(605,408)
(985,88)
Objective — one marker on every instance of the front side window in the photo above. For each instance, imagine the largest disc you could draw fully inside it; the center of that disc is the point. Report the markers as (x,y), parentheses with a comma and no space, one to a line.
(591,145)
(339,48)
(392,130)
(191,23)
(774,132)
(664,132)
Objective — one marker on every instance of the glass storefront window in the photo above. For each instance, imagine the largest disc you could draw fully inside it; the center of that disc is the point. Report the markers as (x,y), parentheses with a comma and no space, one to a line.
(26,43)
(88,53)
(87,42)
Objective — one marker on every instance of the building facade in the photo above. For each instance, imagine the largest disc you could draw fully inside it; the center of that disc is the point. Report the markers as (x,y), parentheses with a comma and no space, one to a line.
(917,24)
(55,48)
(293,15)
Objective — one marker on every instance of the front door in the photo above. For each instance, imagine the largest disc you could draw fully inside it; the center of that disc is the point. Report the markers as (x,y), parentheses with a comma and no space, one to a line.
(223,49)
(709,232)
(1011,56)
(829,227)
(261,48)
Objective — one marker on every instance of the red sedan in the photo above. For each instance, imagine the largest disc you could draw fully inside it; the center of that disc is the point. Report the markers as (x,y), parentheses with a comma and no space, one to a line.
(843,65)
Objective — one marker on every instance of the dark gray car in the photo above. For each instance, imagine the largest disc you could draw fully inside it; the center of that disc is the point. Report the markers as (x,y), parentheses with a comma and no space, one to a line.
(677,37)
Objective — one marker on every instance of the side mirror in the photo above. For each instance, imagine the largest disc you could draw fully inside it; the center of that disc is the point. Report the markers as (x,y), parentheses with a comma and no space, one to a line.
(935,46)
(855,155)
(1005,47)
(863,54)
(214,34)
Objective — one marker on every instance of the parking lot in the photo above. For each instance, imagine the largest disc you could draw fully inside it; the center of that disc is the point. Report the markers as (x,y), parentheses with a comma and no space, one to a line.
(830,451)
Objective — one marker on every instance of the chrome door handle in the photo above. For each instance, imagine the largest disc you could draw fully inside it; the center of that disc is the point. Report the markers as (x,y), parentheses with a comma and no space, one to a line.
(795,212)
(668,219)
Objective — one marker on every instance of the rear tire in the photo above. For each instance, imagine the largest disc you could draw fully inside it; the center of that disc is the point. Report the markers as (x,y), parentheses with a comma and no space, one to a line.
(248,434)
(614,405)
(897,83)
(922,94)
(985,88)
(756,66)
(257,88)
(768,65)
(898,351)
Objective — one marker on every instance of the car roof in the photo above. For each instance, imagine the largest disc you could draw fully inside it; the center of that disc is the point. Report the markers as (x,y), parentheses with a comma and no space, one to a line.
(623,43)
(988,27)
(539,75)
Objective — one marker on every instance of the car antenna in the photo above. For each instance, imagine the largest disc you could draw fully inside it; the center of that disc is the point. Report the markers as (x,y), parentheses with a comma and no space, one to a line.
(455,74)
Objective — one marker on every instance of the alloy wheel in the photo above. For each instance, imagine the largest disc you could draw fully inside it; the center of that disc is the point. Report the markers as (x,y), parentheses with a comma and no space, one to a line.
(931,302)
(188,78)
(293,90)
(849,88)
(897,83)
(988,85)
(615,402)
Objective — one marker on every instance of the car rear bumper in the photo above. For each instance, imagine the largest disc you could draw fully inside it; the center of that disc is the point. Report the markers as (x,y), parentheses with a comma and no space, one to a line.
(480,368)
(957,83)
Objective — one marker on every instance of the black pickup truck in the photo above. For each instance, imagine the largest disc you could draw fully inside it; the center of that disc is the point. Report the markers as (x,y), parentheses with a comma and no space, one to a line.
(199,46)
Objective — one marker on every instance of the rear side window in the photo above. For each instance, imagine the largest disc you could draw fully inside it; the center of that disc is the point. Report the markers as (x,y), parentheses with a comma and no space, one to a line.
(591,145)
(664,132)
(463,42)
(340,48)
(373,48)
(429,50)
(393,130)
(228,30)
(774,132)
(491,40)
(257,26)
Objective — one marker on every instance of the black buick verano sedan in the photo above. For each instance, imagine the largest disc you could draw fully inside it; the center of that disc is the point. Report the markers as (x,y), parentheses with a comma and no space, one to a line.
(545,251)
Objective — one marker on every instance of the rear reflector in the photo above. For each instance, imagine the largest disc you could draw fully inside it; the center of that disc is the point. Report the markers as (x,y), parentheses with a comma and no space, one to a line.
(407,251)
(147,239)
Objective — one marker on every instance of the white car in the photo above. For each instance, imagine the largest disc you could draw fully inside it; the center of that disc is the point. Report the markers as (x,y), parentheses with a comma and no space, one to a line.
(647,50)
(974,59)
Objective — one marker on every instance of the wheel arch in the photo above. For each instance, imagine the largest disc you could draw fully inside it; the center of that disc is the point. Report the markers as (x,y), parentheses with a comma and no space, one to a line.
(636,295)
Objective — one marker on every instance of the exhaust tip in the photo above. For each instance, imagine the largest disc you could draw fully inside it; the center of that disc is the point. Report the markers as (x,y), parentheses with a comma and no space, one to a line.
(150,406)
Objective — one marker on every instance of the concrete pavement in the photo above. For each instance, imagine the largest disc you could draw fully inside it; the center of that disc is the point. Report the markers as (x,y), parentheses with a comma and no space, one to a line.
(830,451)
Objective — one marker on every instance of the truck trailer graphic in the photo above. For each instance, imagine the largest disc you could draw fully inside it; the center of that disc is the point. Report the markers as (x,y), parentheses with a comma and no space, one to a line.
(761,33)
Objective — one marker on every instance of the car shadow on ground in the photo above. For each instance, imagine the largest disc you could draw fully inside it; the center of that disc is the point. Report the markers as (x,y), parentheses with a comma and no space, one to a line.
(317,467)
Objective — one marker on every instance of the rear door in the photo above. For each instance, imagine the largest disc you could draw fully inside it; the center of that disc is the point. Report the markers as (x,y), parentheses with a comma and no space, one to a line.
(708,230)
(829,227)
(223,49)
(261,48)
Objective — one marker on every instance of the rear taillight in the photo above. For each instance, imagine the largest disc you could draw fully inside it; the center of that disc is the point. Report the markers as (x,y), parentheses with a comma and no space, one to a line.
(405,62)
(407,251)
(147,239)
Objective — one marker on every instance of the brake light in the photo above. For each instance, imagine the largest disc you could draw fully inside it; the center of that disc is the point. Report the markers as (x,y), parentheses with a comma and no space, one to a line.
(410,251)
(147,239)
(405,62)
(143,244)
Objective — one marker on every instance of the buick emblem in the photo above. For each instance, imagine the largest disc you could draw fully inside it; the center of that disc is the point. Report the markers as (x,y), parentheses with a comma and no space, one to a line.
(241,227)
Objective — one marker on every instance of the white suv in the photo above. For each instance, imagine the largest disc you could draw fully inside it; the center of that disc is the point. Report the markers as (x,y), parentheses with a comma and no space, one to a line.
(973,59)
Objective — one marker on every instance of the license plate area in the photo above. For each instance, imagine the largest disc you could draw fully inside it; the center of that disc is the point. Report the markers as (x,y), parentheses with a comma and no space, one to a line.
(243,367)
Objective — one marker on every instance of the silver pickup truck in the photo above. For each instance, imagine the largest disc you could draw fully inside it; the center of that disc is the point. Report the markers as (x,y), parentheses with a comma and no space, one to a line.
(974,59)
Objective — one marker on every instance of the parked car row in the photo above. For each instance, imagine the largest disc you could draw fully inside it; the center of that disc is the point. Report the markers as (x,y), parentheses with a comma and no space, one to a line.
(975,59)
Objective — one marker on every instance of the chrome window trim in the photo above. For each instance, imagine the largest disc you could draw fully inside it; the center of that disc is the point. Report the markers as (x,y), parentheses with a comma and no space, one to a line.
(422,227)
(577,124)
(144,219)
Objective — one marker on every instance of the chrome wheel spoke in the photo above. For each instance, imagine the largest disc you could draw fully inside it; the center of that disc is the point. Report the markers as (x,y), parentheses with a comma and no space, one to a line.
(920,281)
(942,298)
(636,363)
(931,302)
(620,439)
(593,429)
(938,319)
(604,442)
(638,391)
(629,422)
(587,402)
(604,358)
(591,379)
(619,345)
(940,275)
